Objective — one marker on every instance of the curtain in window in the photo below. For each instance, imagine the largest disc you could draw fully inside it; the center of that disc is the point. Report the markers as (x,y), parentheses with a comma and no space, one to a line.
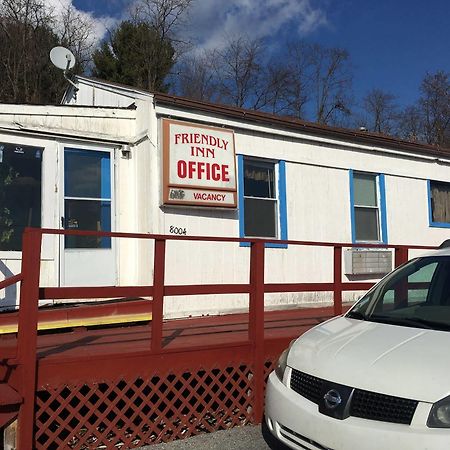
(259,174)
(440,194)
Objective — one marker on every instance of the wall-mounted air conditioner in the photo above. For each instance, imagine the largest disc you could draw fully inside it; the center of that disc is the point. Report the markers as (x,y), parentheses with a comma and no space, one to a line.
(367,261)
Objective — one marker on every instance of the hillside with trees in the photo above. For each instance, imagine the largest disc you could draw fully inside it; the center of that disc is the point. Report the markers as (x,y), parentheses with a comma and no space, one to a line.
(148,50)
(28,31)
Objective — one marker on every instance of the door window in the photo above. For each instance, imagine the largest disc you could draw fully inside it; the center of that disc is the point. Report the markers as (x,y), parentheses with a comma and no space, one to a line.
(20,192)
(87,196)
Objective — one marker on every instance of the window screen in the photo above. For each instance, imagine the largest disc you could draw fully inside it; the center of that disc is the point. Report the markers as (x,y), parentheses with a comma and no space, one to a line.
(260,201)
(366,207)
(20,192)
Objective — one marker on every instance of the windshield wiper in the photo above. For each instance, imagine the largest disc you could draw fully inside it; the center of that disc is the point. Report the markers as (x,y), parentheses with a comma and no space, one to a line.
(356,315)
(411,322)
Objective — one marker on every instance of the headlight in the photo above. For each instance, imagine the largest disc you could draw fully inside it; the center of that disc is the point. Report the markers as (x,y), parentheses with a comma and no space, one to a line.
(440,414)
(282,362)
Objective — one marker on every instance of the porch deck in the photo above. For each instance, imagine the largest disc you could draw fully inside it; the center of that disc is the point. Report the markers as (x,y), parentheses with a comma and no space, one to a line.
(156,381)
(179,334)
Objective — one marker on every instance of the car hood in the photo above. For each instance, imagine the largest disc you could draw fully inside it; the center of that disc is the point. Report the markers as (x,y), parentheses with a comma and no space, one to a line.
(395,360)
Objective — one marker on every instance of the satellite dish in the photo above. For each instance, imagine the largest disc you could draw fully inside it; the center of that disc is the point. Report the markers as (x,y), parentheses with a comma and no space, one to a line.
(62,58)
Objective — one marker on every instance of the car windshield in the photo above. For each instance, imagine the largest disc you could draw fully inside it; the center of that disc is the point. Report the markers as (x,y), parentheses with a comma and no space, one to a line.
(415,295)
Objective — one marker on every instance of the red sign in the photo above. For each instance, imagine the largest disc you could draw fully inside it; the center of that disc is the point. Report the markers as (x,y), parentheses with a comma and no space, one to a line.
(199,165)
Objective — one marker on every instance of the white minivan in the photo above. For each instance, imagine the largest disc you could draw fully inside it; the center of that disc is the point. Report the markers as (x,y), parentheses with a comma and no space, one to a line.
(376,378)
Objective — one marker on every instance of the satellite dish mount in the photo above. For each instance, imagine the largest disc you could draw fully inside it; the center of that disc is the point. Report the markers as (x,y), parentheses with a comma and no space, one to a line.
(63,59)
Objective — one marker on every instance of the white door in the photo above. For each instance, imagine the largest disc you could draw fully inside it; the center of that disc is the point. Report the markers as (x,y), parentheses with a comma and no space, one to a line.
(87,205)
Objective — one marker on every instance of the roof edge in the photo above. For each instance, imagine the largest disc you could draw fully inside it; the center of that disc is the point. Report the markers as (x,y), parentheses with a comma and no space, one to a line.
(113,84)
(366,138)
(302,126)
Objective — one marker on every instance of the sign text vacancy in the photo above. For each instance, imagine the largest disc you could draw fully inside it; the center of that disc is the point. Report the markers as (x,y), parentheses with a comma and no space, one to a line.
(199,165)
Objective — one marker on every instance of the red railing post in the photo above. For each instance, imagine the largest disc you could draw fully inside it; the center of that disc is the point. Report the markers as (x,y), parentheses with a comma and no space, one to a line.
(27,334)
(158,294)
(401,290)
(337,281)
(401,255)
(256,324)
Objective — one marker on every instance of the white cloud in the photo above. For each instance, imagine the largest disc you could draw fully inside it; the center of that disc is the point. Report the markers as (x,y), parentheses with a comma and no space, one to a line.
(100,25)
(212,21)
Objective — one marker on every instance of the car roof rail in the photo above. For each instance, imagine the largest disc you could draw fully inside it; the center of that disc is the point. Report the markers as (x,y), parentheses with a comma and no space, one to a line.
(445,244)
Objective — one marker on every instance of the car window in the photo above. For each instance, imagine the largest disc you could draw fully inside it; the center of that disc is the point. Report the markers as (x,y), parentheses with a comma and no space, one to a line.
(402,292)
(417,294)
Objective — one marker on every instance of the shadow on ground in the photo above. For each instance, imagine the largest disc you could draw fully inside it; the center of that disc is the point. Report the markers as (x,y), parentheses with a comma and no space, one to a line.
(239,438)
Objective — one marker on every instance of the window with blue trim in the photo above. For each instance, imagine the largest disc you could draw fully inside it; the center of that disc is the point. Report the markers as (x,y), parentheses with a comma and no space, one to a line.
(87,196)
(439,203)
(262,198)
(368,206)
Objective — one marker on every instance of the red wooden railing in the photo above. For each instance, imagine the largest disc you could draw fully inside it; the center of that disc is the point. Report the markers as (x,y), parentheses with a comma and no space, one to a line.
(256,288)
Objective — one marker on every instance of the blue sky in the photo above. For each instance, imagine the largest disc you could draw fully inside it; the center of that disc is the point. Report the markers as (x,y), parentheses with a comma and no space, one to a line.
(392,44)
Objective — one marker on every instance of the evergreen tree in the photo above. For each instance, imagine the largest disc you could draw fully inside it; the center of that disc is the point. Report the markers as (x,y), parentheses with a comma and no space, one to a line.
(136,54)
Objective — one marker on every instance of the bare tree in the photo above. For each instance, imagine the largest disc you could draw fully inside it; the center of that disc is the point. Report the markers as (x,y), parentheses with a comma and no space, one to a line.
(196,77)
(165,16)
(238,70)
(298,88)
(277,89)
(319,82)
(305,78)
(330,82)
(28,31)
(76,31)
(411,124)
(237,74)
(26,38)
(27,12)
(381,110)
(435,105)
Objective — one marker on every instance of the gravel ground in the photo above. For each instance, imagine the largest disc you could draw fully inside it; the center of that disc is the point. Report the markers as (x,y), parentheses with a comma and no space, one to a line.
(239,438)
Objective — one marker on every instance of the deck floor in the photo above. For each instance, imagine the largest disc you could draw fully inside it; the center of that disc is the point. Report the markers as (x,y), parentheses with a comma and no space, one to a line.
(177,334)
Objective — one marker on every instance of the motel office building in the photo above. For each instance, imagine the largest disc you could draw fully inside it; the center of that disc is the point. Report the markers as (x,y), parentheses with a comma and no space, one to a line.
(112,157)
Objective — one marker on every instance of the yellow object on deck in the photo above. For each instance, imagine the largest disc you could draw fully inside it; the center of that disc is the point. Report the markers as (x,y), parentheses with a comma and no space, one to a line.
(82,322)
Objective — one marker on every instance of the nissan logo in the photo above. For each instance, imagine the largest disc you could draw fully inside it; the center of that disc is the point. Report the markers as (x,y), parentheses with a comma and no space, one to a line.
(332,399)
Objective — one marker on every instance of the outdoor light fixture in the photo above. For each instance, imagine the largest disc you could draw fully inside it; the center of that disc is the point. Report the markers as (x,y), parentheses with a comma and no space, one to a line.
(126,151)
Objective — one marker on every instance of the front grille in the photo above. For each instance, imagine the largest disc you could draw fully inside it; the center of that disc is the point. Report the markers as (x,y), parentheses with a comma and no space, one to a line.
(306,385)
(363,404)
(385,408)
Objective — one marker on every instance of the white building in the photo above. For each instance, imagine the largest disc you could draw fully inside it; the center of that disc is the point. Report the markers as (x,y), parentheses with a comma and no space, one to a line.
(118,158)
